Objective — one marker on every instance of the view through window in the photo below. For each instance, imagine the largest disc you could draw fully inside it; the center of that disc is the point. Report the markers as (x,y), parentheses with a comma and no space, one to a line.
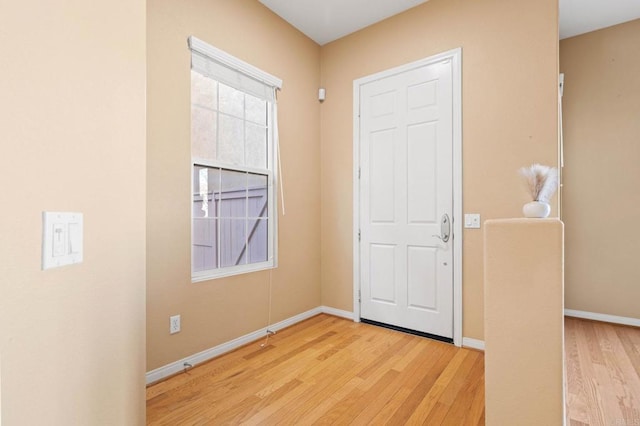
(233,161)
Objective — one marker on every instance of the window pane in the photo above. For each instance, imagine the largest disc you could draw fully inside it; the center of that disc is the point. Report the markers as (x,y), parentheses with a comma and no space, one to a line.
(231,101)
(256,145)
(206,180)
(257,195)
(233,180)
(258,240)
(204,244)
(203,133)
(231,147)
(256,110)
(233,242)
(204,91)
(233,194)
(204,228)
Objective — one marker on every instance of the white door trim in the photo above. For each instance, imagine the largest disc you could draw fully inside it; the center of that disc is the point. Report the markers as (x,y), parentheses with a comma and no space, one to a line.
(455,56)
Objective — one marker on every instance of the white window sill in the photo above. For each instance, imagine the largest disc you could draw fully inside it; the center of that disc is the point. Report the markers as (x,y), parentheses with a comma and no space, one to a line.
(231,271)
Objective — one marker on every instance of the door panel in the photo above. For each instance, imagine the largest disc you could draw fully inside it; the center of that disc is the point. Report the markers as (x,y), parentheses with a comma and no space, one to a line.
(381,152)
(421,265)
(406,179)
(421,173)
(383,283)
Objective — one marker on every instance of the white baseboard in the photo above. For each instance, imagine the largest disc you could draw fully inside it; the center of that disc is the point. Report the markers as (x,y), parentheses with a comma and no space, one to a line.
(468,342)
(337,312)
(206,355)
(603,317)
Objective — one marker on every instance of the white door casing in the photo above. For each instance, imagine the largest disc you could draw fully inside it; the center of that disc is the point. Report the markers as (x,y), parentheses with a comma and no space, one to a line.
(407,179)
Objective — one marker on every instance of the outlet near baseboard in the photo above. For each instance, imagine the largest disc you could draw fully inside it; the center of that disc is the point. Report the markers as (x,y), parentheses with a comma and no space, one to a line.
(174,324)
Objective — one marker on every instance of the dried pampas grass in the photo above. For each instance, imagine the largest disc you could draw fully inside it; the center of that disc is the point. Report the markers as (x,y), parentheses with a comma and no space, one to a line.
(542,181)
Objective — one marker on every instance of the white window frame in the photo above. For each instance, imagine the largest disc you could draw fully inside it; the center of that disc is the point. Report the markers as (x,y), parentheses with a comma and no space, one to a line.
(251,74)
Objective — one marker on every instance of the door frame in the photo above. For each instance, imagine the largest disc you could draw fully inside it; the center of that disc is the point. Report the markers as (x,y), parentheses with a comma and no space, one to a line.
(455,56)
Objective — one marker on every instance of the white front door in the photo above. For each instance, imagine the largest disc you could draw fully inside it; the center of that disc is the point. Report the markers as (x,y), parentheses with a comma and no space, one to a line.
(406,199)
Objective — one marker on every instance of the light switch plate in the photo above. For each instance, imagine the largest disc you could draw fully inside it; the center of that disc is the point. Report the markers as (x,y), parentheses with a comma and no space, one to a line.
(472,220)
(62,238)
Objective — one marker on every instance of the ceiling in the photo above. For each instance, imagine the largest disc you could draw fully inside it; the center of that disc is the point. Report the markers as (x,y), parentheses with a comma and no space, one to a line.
(327,20)
(583,16)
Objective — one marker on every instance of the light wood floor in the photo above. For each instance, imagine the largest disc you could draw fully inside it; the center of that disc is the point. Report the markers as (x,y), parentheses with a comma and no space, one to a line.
(603,373)
(328,370)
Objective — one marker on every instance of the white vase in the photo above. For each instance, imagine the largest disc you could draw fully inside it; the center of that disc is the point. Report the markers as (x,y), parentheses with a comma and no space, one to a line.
(536,209)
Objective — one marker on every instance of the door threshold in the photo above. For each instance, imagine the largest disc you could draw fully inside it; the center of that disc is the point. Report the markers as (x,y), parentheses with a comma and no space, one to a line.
(408,331)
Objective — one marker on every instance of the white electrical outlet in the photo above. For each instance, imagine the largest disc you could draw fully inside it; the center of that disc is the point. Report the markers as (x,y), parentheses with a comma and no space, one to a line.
(174,324)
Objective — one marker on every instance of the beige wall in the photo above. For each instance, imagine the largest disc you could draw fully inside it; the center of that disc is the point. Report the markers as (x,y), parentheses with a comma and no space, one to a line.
(72,114)
(509,114)
(217,311)
(524,323)
(601,201)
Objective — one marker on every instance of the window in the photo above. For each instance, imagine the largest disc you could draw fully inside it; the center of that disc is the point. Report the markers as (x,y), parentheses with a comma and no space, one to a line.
(233,150)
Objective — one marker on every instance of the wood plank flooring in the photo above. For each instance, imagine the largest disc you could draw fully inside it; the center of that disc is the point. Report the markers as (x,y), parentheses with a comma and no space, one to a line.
(603,373)
(328,370)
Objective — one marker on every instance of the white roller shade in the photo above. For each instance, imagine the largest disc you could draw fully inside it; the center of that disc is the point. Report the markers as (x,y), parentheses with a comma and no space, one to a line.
(219,65)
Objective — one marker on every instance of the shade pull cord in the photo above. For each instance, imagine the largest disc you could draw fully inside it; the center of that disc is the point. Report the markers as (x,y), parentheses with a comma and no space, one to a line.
(276,137)
(269,331)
